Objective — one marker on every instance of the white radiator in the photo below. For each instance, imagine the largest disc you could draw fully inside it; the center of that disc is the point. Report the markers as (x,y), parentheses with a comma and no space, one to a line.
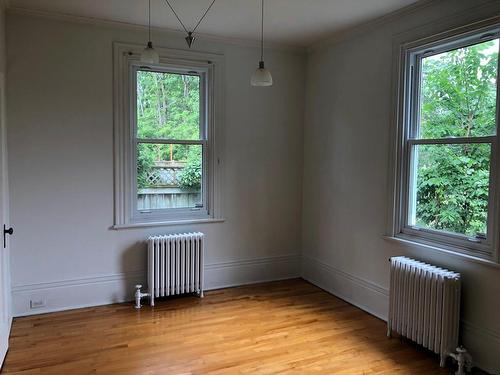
(175,265)
(424,305)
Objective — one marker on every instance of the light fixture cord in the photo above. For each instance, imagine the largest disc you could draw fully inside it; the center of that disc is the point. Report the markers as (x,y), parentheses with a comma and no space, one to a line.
(262,33)
(202,17)
(149,22)
(177,16)
(182,23)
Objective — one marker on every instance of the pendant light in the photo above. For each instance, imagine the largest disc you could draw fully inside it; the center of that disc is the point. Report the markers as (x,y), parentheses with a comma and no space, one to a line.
(190,38)
(262,76)
(149,54)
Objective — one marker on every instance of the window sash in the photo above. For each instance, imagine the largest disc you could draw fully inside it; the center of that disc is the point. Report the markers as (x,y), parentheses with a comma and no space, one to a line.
(459,239)
(411,120)
(178,213)
(172,213)
(451,141)
(414,72)
(167,69)
(164,141)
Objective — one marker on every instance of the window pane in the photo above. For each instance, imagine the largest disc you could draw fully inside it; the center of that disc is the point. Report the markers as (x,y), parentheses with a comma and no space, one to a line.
(450,187)
(168,106)
(169,176)
(458,92)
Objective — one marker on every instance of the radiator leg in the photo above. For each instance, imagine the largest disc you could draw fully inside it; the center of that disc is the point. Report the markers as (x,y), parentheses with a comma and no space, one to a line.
(389,332)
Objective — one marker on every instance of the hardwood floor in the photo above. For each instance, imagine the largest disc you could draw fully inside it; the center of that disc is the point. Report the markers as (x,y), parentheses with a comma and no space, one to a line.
(274,328)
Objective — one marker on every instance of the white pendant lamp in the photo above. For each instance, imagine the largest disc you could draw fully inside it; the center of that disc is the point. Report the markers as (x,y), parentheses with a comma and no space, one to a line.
(149,55)
(262,76)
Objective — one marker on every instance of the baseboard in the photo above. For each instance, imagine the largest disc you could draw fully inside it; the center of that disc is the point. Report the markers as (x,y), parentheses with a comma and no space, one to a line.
(359,292)
(75,293)
(107,289)
(223,275)
(483,343)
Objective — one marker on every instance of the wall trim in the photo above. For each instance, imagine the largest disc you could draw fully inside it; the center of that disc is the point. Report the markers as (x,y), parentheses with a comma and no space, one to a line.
(251,271)
(327,277)
(345,285)
(353,31)
(98,290)
(357,30)
(482,343)
(355,279)
(79,281)
(255,261)
(487,333)
(133,26)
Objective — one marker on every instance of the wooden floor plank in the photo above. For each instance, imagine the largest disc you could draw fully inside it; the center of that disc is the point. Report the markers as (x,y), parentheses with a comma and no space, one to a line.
(286,327)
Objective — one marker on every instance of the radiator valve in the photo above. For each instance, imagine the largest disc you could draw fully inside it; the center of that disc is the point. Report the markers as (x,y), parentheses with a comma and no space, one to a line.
(464,360)
(139,295)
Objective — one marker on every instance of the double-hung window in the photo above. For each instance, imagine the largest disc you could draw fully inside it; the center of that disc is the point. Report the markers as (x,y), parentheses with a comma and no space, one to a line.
(170,143)
(167,121)
(447,172)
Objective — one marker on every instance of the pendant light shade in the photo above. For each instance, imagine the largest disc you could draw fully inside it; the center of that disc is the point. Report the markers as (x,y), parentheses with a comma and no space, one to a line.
(149,54)
(262,76)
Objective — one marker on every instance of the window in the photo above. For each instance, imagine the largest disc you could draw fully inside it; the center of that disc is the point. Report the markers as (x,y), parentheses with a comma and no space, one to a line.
(170,140)
(167,122)
(447,154)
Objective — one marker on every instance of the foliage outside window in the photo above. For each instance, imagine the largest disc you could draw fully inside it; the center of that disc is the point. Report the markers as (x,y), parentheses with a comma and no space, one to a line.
(449,153)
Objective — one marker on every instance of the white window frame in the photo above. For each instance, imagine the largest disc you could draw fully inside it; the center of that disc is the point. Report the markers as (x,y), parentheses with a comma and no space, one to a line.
(409,55)
(210,68)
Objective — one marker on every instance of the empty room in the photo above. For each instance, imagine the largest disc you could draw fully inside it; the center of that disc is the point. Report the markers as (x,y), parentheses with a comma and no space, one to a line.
(249,187)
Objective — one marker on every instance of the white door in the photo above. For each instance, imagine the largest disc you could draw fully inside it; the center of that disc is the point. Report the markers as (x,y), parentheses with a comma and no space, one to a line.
(5,311)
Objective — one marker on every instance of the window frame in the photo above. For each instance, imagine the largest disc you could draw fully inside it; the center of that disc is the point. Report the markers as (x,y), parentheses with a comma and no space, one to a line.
(210,69)
(410,55)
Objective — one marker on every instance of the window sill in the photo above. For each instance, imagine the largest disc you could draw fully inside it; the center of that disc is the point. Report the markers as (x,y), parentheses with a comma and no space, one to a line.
(419,245)
(166,223)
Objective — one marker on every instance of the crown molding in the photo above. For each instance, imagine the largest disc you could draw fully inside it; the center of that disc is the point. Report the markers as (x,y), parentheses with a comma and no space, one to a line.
(351,32)
(242,42)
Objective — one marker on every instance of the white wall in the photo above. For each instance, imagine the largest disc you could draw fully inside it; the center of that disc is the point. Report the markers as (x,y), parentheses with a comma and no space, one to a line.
(346,168)
(61,146)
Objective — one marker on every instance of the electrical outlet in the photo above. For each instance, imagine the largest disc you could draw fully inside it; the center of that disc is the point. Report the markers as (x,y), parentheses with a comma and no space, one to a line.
(37,303)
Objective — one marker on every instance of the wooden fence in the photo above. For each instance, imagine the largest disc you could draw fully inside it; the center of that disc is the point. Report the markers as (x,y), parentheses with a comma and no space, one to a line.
(167,197)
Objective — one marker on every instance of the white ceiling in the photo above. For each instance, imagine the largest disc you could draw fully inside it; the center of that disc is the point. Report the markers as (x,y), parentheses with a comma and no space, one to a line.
(290,22)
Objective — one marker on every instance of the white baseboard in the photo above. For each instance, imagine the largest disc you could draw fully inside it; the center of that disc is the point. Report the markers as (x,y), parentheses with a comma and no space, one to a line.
(223,275)
(359,292)
(107,289)
(75,293)
(483,343)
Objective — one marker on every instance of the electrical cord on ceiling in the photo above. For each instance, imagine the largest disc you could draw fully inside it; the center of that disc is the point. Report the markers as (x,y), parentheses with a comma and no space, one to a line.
(182,23)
